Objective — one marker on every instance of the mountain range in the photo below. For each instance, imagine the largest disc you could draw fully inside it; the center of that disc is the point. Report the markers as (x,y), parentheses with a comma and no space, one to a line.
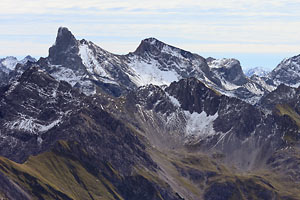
(156,123)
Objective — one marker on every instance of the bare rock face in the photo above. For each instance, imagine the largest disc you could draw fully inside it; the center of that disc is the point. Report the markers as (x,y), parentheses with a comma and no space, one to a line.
(65,53)
(194,96)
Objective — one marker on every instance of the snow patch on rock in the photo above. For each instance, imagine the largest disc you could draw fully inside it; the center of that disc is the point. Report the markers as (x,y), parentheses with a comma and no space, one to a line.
(89,60)
(200,124)
(31,125)
(144,73)
(174,101)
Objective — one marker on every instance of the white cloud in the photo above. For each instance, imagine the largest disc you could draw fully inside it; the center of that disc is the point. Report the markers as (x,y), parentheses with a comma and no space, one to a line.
(47,6)
(8,48)
(198,25)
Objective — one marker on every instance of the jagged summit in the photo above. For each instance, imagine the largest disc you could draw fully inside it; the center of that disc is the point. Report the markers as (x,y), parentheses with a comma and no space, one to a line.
(65,38)
(65,42)
(156,47)
(152,45)
(65,51)
(9,62)
(64,33)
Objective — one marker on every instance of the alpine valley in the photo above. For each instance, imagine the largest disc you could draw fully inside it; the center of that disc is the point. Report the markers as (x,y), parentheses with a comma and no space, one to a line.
(156,123)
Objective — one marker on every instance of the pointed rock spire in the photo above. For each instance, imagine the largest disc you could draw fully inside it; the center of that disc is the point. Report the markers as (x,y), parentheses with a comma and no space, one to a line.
(65,40)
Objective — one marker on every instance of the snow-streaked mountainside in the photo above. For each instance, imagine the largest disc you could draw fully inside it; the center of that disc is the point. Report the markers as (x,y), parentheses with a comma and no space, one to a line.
(152,143)
(258,71)
(90,68)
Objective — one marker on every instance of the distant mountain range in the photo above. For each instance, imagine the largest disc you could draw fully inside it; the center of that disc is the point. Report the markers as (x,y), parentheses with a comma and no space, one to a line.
(156,123)
(258,71)
(10,62)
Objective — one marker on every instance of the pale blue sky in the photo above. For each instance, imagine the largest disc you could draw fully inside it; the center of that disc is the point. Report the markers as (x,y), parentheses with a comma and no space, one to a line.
(257,32)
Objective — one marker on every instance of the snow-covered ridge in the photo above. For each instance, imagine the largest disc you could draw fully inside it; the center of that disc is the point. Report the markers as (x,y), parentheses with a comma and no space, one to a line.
(224,62)
(144,73)
(90,61)
(174,101)
(10,62)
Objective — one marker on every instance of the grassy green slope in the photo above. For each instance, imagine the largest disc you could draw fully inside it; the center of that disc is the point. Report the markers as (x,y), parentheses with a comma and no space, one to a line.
(199,176)
(53,176)
(56,175)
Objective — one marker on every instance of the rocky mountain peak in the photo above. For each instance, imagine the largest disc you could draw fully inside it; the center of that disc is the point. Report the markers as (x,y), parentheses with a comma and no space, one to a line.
(28,58)
(65,53)
(153,41)
(210,59)
(65,43)
(9,58)
(150,45)
(228,63)
(65,37)
(156,47)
